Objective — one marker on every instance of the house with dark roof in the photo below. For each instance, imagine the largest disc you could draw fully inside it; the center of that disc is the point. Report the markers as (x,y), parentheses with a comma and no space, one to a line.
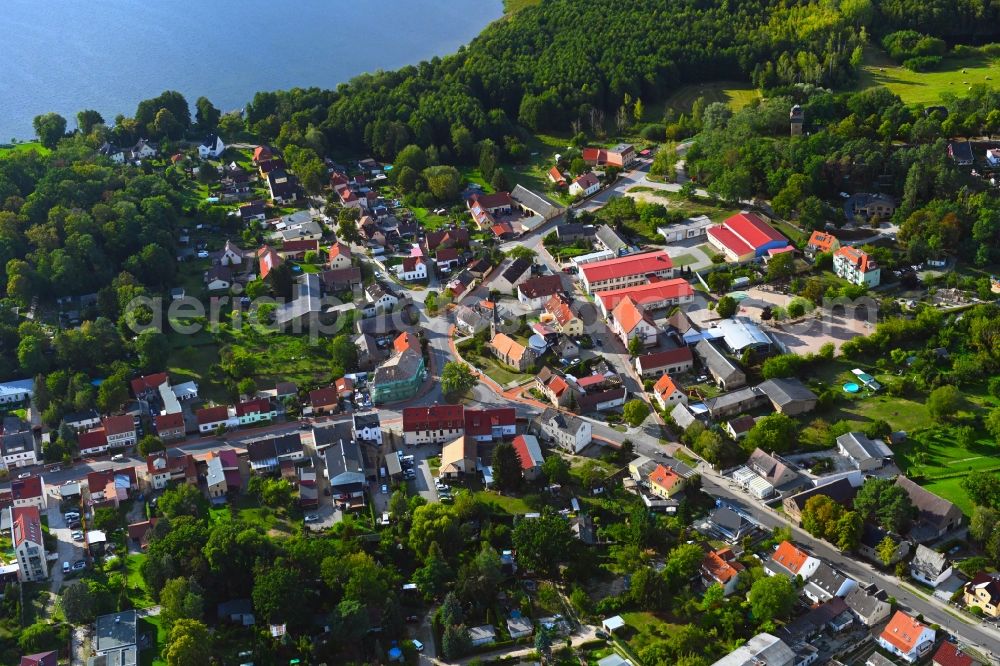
(961,152)
(267,454)
(336,280)
(565,430)
(864,453)
(788,395)
(729,524)
(17,443)
(283,186)
(735,402)
(840,491)
(983,592)
(672,361)
(345,469)
(608,239)
(726,374)
(872,536)
(518,271)
(536,291)
(826,583)
(929,566)
(868,605)
(775,471)
(936,516)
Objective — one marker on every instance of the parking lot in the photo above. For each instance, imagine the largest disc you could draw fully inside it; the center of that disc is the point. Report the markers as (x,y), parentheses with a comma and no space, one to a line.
(68,550)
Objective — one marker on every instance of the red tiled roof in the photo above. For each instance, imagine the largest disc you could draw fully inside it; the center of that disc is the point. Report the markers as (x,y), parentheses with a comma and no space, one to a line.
(730,240)
(665,386)
(652,292)
(323,397)
(753,229)
(719,568)
(295,246)
(858,258)
(262,153)
(23,489)
(257,406)
(447,238)
(950,654)
(436,417)
(212,414)
(557,385)
(665,358)
(780,250)
(446,254)
(902,632)
(790,557)
(344,385)
(633,264)
(482,421)
(148,382)
(541,286)
(338,249)
(664,477)
(26,525)
(495,200)
(502,229)
(556,176)
(269,260)
(410,264)
(404,341)
(118,425)
(523,453)
(168,421)
(822,241)
(594,155)
(92,439)
(628,314)
(176,462)
(559,307)
(507,347)
(98,481)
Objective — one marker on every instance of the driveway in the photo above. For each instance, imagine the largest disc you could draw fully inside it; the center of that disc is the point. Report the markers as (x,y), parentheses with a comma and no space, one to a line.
(68,550)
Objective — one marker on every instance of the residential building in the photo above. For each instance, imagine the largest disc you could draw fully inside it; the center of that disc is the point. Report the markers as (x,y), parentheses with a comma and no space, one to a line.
(211,147)
(672,361)
(565,430)
(17,443)
(665,482)
(744,237)
(536,292)
(50,658)
(819,242)
(936,516)
(724,372)
(667,394)
(345,469)
(382,299)
(518,271)
(412,269)
(687,229)
(656,294)
(601,392)
(16,391)
(864,206)
(790,561)
(111,487)
(28,543)
(337,280)
(266,455)
(950,654)
(574,231)
(556,387)
(267,260)
(826,583)
(872,537)
(115,639)
(520,626)
(512,352)
(120,431)
(282,186)
(458,458)
(82,420)
(325,400)
(761,650)
(339,256)
(555,177)
(735,402)
(621,156)
(28,492)
(788,395)
(399,378)
(436,424)
(530,455)
(626,271)
(255,411)
(166,467)
(720,567)
(92,442)
(983,592)
(929,566)
(367,427)
(840,491)
(483,635)
(486,425)
(169,426)
(907,638)
(585,185)
(211,419)
(857,267)
(630,321)
(865,454)
(868,606)
(774,470)
(253,211)
(738,427)
(564,319)
(729,524)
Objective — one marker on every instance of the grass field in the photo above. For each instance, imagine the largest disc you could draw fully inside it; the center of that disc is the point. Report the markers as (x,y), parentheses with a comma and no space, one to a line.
(735,94)
(647,628)
(502,503)
(24,147)
(954,76)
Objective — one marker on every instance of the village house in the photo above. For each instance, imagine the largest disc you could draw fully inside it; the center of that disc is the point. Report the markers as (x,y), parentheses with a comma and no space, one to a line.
(412,269)
(537,291)
(864,206)
(17,443)
(626,271)
(212,418)
(211,147)
(630,321)
(840,491)
(486,425)
(744,237)
(266,455)
(282,186)
(401,377)
(28,543)
(868,606)
(722,568)
(28,492)
(621,156)
(724,372)
(381,299)
(820,241)
(368,428)
(788,395)
(82,420)
(345,469)
(936,516)
(268,260)
(219,278)
(530,455)
(516,272)
(585,185)
(907,638)
(255,411)
(253,211)
(656,294)
(458,458)
(665,482)
(929,566)
(119,431)
(339,256)
(436,424)
(555,177)
(296,249)
(564,319)
(762,650)
(337,280)
(169,426)
(857,267)
(92,442)
(667,394)
(983,592)
(166,467)
(790,561)
(111,487)
(864,454)
(556,387)
(485,207)
(512,353)
(565,430)
(672,361)
(826,583)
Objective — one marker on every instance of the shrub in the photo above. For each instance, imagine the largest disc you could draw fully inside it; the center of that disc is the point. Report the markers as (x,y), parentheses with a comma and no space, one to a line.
(653,132)
(922,63)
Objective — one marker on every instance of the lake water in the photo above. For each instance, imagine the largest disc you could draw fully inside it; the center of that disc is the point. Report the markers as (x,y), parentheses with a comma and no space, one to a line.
(68,55)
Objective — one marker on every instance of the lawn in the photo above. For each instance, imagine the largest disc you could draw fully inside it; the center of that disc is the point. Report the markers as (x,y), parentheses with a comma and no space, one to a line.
(280,356)
(428,220)
(249,510)
(137,592)
(196,358)
(151,656)
(954,75)
(683,260)
(499,373)
(646,629)
(735,94)
(502,503)
(23,147)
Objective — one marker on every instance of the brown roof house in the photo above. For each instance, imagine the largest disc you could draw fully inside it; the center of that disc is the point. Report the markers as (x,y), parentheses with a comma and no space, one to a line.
(458,458)
(513,353)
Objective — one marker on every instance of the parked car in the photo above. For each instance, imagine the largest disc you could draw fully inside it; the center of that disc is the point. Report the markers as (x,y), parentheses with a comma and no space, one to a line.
(203,254)
(385,518)
(65,567)
(77,535)
(24,475)
(417,645)
(312,518)
(79,565)
(71,515)
(118,457)
(385,489)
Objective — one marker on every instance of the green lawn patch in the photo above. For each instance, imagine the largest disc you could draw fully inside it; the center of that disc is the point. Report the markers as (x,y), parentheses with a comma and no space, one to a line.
(683,260)
(429,220)
(735,94)
(193,361)
(138,593)
(645,629)
(954,75)
(152,627)
(502,503)
(511,6)
(8,148)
